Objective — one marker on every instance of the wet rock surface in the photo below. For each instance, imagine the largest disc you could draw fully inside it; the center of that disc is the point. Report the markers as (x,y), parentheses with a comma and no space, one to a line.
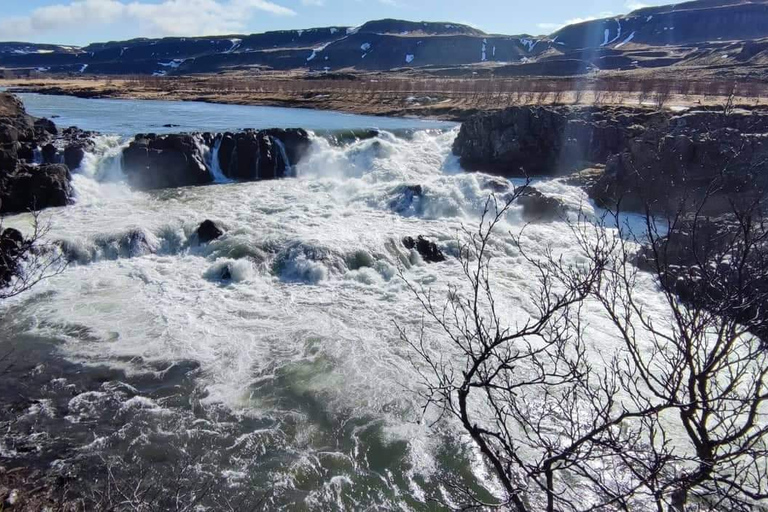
(176,160)
(162,161)
(208,231)
(428,250)
(261,155)
(24,185)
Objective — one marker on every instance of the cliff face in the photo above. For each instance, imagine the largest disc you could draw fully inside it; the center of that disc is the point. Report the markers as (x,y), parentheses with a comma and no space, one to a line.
(650,158)
(683,33)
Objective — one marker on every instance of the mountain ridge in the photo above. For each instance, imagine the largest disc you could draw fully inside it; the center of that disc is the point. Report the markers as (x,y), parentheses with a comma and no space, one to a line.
(680,33)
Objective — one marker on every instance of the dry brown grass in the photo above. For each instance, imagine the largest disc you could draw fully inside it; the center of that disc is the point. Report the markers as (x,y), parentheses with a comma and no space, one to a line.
(404,95)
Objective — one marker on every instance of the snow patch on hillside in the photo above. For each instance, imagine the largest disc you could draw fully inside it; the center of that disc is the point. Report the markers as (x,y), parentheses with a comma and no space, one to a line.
(607,34)
(529,43)
(317,50)
(235,45)
(175,63)
(628,39)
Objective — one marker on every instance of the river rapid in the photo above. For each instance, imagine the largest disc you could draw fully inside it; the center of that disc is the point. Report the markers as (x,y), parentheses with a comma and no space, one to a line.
(286,386)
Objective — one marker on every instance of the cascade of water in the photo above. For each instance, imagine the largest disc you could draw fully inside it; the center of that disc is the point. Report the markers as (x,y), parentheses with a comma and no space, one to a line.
(211,158)
(289,169)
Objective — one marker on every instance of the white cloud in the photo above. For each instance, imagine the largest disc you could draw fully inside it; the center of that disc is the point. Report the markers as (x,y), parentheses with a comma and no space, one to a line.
(574,21)
(633,6)
(169,17)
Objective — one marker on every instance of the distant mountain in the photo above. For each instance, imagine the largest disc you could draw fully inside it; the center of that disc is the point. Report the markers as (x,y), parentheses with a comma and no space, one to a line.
(703,32)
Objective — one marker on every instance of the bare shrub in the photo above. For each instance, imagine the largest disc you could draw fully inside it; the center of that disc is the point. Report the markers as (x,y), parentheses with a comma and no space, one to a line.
(26,261)
(671,418)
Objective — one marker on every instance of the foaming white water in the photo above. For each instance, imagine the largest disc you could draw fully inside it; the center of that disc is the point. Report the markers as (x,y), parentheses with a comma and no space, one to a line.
(100,175)
(291,313)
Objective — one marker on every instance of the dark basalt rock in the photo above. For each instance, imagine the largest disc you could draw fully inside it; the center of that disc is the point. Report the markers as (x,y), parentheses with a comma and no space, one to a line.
(681,252)
(46,126)
(12,247)
(545,140)
(649,157)
(73,155)
(50,154)
(208,231)
(23,186)
(165,161)
(429,251)
(661,168)
(261,155)
(31,187)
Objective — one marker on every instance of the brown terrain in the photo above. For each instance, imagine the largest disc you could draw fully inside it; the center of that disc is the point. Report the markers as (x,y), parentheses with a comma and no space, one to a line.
(410,94)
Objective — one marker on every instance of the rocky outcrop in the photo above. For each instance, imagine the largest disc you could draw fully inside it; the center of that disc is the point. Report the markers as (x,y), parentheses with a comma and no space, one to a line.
(548,141)
(724,158)
(32,187)
(428,250)
(261,155)
(163,161)
(693,261)
(650,157)
(24,186)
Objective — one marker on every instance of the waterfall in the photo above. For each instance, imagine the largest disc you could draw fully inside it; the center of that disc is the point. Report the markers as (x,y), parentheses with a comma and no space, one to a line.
(100,174)
(211,158)
(289,170)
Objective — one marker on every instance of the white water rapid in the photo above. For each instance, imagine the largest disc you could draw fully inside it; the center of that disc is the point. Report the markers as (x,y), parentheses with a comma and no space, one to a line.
(300,345)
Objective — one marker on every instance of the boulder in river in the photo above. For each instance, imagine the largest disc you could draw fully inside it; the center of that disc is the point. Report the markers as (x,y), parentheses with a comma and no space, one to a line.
(208,231)
(165,161)
(538,207)
(429,250)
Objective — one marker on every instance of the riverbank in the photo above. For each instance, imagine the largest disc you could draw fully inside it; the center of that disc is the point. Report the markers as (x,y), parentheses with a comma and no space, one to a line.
(392,95)
(351,102)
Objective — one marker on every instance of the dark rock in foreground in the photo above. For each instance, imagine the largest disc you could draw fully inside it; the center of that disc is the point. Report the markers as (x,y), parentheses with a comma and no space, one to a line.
(24,186)
(12,247)
(429,251)
(209,231)
(30,187)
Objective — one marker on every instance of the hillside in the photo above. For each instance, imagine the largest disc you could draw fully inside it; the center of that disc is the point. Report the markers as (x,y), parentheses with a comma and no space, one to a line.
(706,33)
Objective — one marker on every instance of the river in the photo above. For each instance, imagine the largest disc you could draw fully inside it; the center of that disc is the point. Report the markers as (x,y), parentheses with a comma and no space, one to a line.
(288,384)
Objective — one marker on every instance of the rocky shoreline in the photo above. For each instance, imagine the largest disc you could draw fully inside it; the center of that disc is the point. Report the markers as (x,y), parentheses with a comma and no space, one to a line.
(702,174)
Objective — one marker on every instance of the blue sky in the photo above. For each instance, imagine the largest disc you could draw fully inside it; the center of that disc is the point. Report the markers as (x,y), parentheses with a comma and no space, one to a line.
(78,22)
